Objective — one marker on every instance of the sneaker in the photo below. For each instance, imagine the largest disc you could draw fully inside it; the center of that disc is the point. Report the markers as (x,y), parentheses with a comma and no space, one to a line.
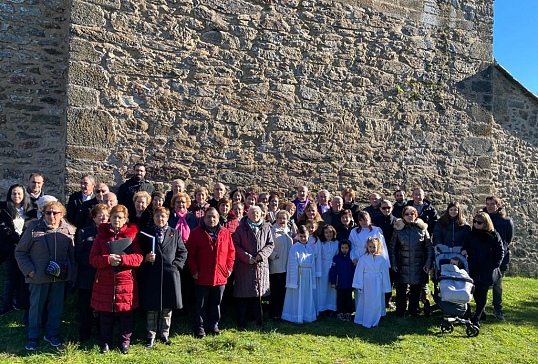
(499,315)
(31,345)
(341,317)
(54,341)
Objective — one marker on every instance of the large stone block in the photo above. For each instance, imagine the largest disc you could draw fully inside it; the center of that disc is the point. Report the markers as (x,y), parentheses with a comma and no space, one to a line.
(90,128)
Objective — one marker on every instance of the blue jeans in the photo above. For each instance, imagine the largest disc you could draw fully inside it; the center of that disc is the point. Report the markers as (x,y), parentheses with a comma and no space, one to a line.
(39,294)
(498,294)
(207,305)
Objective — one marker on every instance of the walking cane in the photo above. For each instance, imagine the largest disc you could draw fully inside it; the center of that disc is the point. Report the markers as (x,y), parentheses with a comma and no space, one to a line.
(259,281)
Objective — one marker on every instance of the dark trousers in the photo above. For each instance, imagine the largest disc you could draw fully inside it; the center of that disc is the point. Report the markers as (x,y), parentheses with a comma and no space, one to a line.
(85,314)
(344,300)
(278,293)
(207,304)
(401,297)
(12,279)
(480,296)
(388,295)
(106,326)
(246,305)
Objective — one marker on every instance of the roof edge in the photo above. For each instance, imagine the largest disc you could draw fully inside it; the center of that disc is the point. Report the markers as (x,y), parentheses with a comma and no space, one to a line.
(511,78)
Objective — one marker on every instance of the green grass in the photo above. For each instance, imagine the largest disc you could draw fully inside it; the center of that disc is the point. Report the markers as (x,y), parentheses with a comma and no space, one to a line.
(396,340)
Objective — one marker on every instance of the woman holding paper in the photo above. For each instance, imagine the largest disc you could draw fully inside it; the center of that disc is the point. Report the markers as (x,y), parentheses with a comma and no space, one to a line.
(115,288)
(160,284)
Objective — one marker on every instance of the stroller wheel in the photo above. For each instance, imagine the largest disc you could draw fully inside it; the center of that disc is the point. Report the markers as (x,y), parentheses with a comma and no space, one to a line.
(472,331)
(447,327)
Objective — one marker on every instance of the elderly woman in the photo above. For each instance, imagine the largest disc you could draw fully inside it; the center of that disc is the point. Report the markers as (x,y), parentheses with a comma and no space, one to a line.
(411,254)
(115,291)
(200,204)
(15,212)
(227,217)
(160,282)
(141,216)
(180,218)
(253,243)
(86,273)
(45,255)
(483,247)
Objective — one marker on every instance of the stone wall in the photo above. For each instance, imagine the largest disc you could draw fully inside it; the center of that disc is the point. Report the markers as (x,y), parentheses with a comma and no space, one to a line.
(33,73)
(516,137)
(270,94)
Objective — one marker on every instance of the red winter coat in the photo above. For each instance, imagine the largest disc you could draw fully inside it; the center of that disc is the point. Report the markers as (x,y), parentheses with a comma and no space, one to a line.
(212,262)
(115,291)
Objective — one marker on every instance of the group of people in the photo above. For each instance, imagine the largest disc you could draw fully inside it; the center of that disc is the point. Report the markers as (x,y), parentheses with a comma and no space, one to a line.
(153,250)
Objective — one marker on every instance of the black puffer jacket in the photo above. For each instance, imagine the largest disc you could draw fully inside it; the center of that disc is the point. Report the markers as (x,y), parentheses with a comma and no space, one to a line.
(451,235)
(484,254)
(410,251)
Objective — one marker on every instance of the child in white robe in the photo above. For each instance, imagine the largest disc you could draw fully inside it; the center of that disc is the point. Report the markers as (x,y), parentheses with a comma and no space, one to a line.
(315,243)
(299,304)
(372,281)
(326,295)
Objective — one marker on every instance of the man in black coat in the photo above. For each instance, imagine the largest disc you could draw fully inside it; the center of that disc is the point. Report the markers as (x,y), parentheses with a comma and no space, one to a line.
(35,187)
(505,227)
(74,205)
(133,185)
(83,219)
(178,185)
(219,191)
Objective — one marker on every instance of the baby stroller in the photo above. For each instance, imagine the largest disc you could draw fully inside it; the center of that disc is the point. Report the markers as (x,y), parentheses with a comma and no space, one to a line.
(453,290)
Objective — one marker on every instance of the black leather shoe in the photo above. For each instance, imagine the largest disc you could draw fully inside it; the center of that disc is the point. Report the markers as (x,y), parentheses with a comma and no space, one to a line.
(165,340)
(104,349)
(124,349)
(150,343)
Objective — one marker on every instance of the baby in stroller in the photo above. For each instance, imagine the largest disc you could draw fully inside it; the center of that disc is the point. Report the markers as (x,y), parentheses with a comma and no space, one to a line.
(454,291)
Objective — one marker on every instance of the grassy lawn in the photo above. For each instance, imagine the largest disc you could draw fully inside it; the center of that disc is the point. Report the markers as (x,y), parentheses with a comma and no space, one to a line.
(396,340)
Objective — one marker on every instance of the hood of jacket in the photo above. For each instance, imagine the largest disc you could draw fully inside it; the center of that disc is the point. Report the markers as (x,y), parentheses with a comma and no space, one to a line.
(126,230)
(400,224)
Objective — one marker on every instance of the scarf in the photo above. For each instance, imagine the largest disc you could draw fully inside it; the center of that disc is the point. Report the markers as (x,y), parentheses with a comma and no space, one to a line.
(159,234)
(255,226)
(182,225)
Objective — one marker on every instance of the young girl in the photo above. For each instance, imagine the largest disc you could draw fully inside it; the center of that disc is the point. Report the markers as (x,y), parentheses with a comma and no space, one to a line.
(346,225)
(326,295)
(299,304)
(315,243)
(359,237)
(341,278)
(372,281)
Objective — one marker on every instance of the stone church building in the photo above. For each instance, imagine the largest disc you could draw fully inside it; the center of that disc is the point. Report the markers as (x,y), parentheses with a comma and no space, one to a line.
(373,94)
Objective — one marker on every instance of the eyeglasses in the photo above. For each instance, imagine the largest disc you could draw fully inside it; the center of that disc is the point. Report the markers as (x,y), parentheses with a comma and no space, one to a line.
(48,213)
(478,222)
(386,208)
(100,191)
(409,214)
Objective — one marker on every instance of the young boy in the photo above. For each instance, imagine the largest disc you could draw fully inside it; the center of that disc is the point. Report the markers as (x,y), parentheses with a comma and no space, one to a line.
(341,278)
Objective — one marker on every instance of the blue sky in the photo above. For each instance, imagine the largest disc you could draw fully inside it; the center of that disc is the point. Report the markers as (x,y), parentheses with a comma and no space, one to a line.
(515,39)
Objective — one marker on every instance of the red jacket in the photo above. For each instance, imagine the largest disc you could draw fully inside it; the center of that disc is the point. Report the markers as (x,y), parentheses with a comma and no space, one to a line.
(114,291)
(212,261)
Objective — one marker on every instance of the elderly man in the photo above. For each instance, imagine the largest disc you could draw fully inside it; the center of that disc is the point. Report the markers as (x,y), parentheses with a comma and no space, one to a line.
(211,256)
(74,206)
(133,185)
(83,218)
(111,199)
(219,191)
(301,200)
(505,227)
(332,217)
(323,201)
(375,202)
(35,187)
(178,185)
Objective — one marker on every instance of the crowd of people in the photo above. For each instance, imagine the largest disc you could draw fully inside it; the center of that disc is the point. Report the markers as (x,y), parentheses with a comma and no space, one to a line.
(309,258)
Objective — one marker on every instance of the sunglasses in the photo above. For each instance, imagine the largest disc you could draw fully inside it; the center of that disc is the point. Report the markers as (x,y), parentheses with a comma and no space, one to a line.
(478,222)
(100,191)
(52,213)
(386,208)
